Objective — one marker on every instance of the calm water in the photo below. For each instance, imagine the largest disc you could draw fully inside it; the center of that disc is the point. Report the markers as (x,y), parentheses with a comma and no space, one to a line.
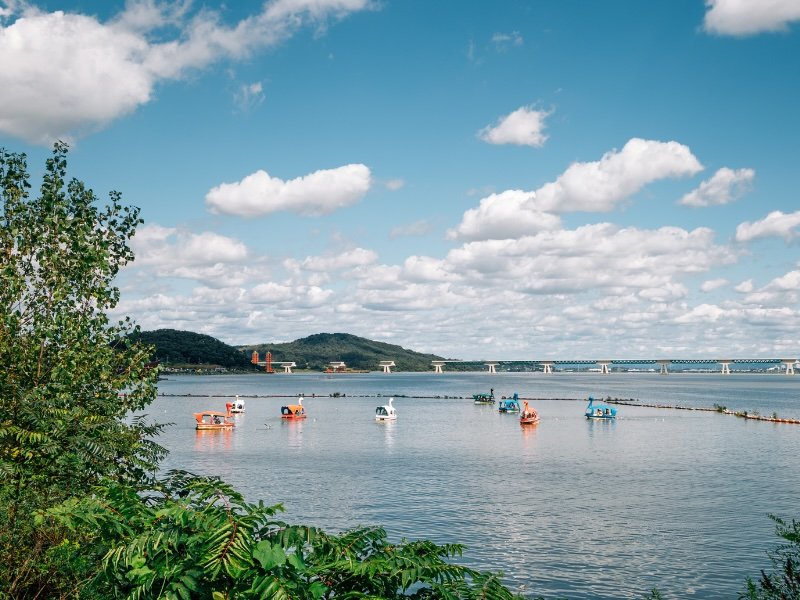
(569,508)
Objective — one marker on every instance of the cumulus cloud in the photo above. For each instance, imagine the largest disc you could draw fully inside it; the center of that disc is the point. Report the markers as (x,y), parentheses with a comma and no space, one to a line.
(523,127)
(601,185)
(348,259)
(509,214)
(66,74)
(775,224)
(745,286)
(215,259)
(318,193)
(713,284)
(741,17)
(725,186)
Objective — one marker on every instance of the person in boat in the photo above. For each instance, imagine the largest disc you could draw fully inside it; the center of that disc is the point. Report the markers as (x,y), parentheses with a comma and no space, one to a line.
(217,421)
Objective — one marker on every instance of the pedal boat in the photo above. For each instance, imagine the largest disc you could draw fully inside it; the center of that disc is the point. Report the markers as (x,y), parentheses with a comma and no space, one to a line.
(528,416)
(386,412)
(600,411)
(237,406)
(484,398)
(212,420)
(294,411)
(509,405)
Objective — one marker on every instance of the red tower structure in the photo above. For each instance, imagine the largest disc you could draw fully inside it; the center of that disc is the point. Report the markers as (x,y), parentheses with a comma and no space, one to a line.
(254,357)
(268,367)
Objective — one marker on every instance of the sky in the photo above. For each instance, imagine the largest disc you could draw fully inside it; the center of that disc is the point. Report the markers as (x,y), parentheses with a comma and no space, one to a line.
(493,179)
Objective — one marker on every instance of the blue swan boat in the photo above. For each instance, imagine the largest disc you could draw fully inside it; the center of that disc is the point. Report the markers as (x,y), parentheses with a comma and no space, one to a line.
(600,411)
(509,405)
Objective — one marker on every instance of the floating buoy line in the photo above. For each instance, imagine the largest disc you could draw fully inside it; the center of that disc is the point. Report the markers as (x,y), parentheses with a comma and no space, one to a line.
(620,401)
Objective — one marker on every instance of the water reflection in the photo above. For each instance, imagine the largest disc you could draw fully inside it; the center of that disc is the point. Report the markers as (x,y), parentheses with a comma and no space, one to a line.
(213,440)
(529,435)
(389,432)
(294,437)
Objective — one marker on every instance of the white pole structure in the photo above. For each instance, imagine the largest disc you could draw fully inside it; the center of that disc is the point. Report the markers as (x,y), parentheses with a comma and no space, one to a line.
(603,364)
(664,369)
(547,367)
(789,363)
(287,367)
(387,365)
(492,367)
(726,366)
(437,366)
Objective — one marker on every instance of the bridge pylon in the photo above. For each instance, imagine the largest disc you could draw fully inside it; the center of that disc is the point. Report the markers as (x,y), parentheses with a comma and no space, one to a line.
(604,366)
(438,366)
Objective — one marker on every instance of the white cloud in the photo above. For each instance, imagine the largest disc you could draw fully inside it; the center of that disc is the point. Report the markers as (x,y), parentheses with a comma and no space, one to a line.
(249,96)
(394,184)
(318,193)
(503,41)
(157,245)
(748,17)
(788,282)
(745,286)
(601,185)
(65,74)
(703,313)
(725,186)
(509,214)
(348,259)
(713,284)
(523,127)
(775,224)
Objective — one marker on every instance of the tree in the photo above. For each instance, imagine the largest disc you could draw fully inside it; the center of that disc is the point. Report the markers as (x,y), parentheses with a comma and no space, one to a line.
(70,377)
(784,582)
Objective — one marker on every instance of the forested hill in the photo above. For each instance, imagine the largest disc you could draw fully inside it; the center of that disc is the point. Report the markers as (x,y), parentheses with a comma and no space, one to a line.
(316,351)
(174,347)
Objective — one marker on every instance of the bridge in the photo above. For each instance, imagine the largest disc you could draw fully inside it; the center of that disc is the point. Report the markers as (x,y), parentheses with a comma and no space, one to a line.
(268,363)
(604,366)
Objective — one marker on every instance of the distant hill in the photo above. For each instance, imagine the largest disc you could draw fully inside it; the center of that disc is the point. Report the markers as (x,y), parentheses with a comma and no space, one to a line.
(316,351)
(174,347)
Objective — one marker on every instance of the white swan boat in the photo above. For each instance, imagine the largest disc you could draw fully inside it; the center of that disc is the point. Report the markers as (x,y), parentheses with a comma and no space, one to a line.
(386,412)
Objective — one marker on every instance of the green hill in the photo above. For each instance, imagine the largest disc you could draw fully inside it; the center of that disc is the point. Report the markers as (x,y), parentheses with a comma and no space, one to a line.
(174,347)
(316,351)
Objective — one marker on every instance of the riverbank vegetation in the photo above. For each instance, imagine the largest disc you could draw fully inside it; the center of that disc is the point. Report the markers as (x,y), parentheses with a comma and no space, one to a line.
(85,514)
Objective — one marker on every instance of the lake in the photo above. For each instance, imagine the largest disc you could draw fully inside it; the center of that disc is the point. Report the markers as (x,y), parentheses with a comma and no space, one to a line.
(569,508)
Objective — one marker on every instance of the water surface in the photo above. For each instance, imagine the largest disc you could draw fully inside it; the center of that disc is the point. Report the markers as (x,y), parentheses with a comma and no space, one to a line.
(567,508)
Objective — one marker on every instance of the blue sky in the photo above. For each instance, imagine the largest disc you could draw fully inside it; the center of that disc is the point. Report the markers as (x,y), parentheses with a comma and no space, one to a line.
(503,179)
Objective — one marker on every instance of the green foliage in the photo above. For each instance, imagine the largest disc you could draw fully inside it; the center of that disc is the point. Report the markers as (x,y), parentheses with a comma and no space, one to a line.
(192,537)
(784,582)
(62,408)
(188,348)
(316,351)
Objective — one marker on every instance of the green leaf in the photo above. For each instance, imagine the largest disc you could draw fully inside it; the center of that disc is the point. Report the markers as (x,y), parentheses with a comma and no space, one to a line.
(269,555)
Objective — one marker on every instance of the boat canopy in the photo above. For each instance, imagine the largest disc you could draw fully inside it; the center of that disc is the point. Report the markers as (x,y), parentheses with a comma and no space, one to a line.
(209,413)
(292,409)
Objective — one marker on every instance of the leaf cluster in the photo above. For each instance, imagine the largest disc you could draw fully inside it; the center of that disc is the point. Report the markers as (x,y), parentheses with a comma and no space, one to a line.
(783,583)
(195,537)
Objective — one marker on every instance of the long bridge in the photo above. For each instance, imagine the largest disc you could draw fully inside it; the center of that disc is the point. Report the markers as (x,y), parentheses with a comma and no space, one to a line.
(604,366)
